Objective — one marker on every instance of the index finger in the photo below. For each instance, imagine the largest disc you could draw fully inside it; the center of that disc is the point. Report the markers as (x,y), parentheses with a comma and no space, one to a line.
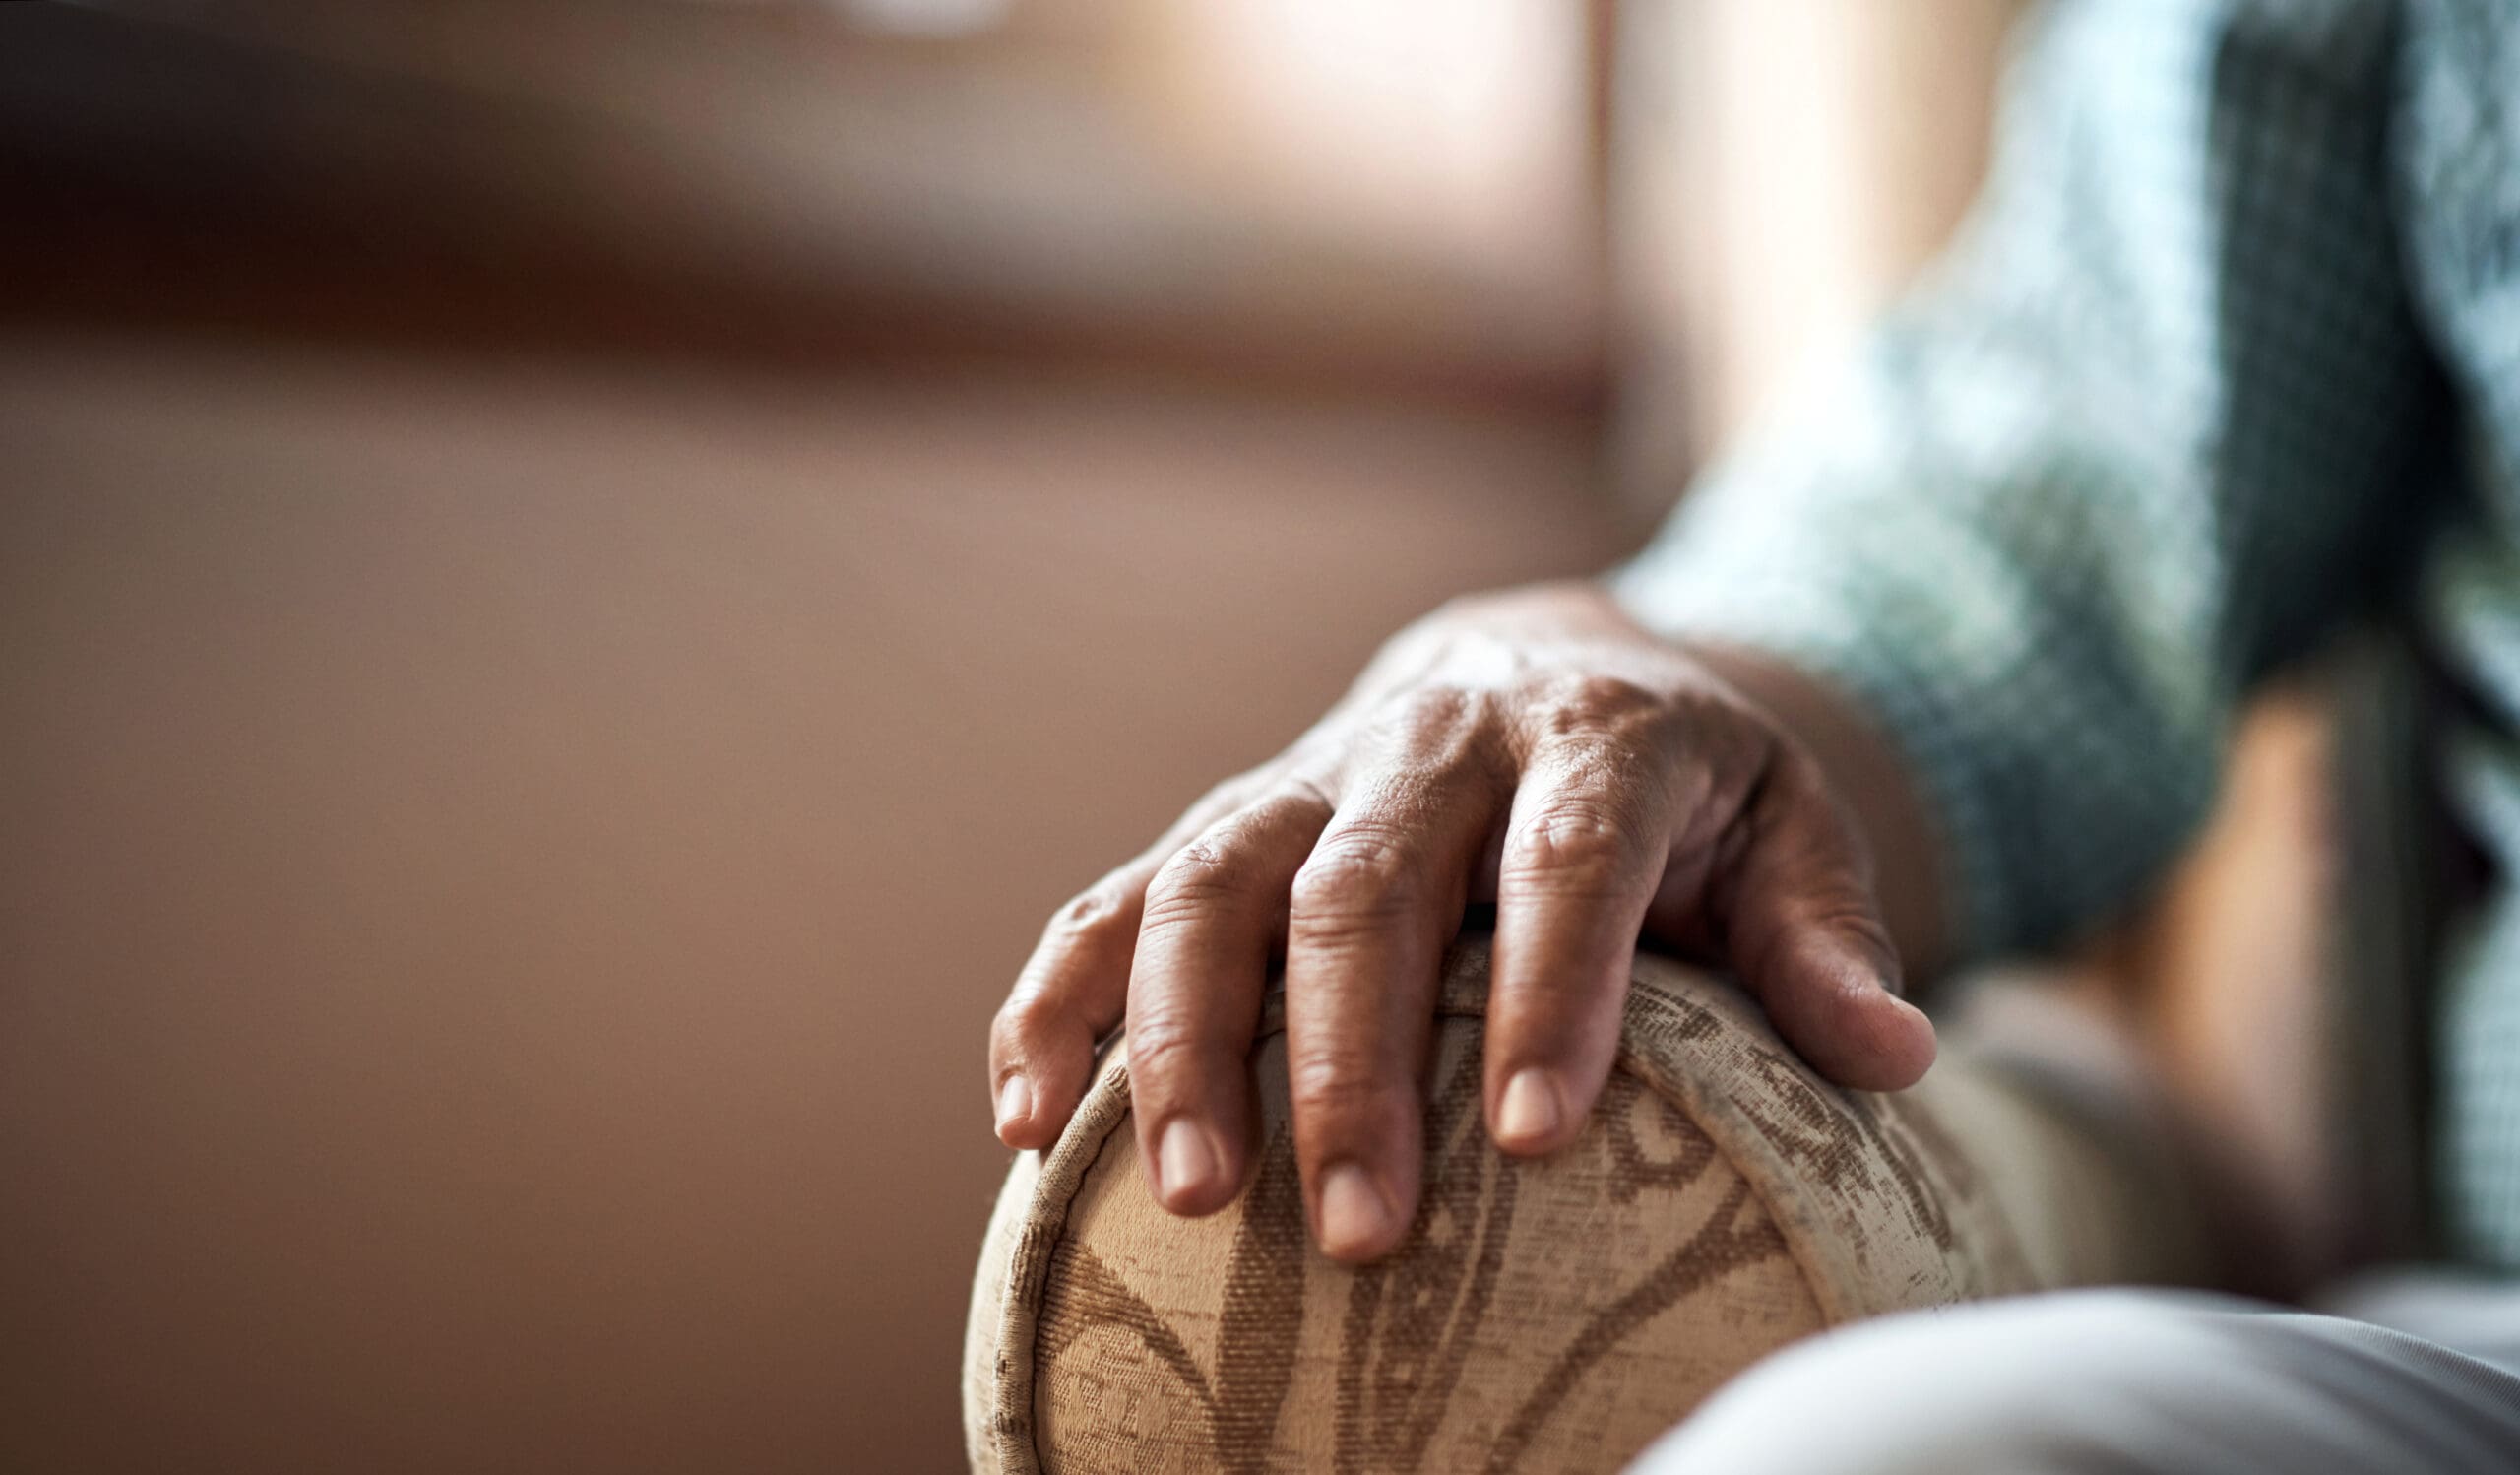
(1074,987)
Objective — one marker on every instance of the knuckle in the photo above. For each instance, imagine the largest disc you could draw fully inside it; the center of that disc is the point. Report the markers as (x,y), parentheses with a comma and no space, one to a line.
(1098,910)
(1022,1019)
(1164,1047)
(1583,836)
(1866,926)
(1361,872)
(1197,879)
(1436,705)
(1293,797)
(1344,1086)
(1444,730)
(1589,701)
(1846,910)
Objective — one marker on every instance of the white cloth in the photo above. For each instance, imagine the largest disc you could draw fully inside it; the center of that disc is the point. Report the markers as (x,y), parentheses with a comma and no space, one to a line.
(2414,1374)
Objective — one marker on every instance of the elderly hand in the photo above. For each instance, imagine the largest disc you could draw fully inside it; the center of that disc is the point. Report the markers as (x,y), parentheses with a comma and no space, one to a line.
(1534,749)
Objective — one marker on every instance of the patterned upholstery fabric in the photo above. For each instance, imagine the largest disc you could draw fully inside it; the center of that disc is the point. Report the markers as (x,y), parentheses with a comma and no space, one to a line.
(1554,1314)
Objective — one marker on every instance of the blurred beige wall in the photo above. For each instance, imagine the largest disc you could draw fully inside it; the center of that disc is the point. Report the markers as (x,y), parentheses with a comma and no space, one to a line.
(576,581)
(1784,167)
(505,869)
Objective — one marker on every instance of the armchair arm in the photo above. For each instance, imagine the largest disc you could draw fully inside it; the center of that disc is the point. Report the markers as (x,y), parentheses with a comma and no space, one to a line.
(1558,1314)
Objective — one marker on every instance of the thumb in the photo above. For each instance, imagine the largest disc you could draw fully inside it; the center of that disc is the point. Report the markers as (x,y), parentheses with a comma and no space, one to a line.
(1801,928)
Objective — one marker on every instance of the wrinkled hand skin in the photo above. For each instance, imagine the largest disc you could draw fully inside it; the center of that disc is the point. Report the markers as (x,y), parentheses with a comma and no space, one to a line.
(1534,749)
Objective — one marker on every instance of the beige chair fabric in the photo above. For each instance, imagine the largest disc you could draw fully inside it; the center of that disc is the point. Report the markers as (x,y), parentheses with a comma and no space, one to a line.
(1555,1315)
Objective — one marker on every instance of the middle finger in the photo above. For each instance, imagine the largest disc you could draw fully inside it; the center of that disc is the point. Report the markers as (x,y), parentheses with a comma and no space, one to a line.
(1367,920)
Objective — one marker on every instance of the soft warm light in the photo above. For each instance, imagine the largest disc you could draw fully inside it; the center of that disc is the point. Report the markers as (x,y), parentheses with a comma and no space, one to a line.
(1453,119)
(930,18)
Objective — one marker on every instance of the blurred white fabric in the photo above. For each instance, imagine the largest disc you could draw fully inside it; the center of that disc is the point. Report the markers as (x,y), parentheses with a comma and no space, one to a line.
(2127,1381)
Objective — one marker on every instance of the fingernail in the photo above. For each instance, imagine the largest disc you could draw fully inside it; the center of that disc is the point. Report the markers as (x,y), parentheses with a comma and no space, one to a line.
(1185,1162)
(1013,1101)
(1356,1219)
(1529,1114)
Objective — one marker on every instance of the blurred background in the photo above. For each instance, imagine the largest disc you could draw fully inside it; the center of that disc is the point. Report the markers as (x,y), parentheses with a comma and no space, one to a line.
(578,576)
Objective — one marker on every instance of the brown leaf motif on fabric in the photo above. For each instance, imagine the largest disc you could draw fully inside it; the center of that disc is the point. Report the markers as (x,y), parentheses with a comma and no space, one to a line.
(1258,1334)
(1411,1317)
(1835,1140)
(1737,1234)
